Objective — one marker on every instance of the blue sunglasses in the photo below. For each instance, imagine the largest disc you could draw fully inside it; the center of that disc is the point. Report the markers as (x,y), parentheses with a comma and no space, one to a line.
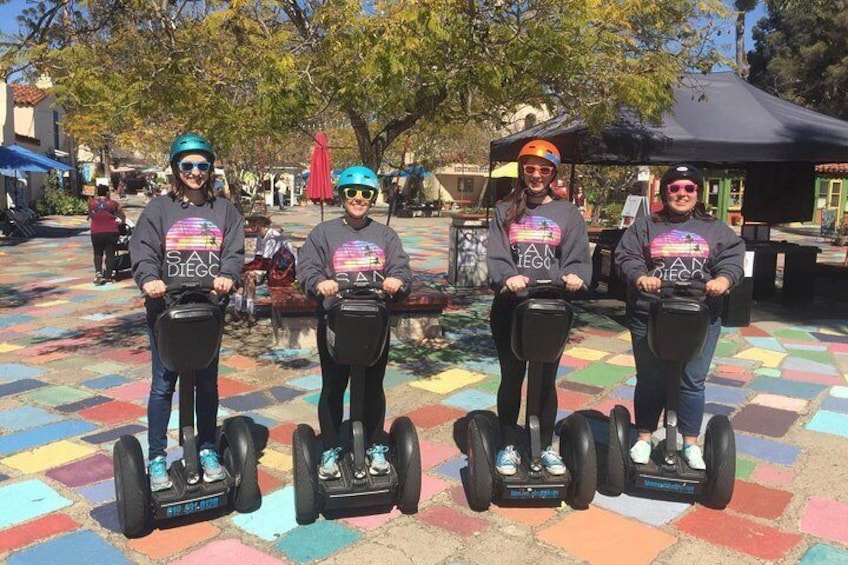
(189,166)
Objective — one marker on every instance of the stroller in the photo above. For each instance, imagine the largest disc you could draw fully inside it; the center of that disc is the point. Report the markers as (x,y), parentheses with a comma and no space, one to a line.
(122,249)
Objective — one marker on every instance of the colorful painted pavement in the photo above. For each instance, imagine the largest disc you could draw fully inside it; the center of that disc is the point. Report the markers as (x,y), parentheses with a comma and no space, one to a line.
(74,373)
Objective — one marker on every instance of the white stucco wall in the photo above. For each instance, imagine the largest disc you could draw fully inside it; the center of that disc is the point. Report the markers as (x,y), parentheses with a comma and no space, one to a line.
(7,115)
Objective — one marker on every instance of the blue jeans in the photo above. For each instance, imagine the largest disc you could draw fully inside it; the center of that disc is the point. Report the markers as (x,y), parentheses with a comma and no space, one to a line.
(162,392)
(649,400)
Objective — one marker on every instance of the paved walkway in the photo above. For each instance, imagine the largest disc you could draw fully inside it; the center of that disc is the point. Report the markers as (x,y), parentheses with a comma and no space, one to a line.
(74,374)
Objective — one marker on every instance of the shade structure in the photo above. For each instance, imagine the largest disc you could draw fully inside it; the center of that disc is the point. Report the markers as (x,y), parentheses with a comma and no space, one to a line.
(319,187)
(46,163)
(508,171)
(16,159)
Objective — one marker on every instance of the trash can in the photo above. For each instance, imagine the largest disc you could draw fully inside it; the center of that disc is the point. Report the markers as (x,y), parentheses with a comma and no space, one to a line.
(467,252)
(603,264)
(799,274)
(765,270)
(736,308)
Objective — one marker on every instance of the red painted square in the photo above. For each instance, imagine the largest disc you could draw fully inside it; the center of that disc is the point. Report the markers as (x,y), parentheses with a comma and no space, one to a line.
(816,378)
(20,536)
(113,412)
(229,387)
(432,416)
(570,400)
(753,331)
(267,482)
(738,534)
(164,543)
(283,433)
(453,521)
(826,519)
(606,405)
(757,500)
(569,361)
(139,356)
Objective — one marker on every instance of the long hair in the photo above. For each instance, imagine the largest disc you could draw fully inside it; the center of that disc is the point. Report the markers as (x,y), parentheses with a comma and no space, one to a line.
(517,199)
(179,188)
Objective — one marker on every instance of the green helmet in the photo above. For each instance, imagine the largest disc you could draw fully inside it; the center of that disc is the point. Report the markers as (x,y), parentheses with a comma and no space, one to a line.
(191,143)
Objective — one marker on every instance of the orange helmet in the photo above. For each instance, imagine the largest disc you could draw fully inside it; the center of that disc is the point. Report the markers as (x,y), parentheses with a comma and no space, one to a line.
(541,148)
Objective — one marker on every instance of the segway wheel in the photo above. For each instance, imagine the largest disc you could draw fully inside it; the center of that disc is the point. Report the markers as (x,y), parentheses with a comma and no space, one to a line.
(403,445)
(305,475)
(617,452)
(239,455)
(481,445)
(720,457)
(577,447)
(132,487)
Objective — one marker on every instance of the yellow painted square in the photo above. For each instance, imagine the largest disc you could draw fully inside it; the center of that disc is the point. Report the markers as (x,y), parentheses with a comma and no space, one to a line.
(622,360)
(52,303)
(9,347)
(586,353)
(624,336)
(107,367)
(448,381)
(767,357)
(48,456)
(276,460)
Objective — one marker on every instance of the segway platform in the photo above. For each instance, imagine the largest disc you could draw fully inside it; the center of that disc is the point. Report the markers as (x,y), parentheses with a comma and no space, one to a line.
(347,492)
(677,479)
(183,499)
(526,485)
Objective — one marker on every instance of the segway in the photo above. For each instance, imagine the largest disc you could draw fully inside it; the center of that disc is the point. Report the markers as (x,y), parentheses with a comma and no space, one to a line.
(357,333)
(188,335)
(540,329)
(677,329)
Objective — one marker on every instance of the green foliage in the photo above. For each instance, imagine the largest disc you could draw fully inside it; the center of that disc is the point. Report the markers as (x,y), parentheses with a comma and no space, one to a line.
(59,203)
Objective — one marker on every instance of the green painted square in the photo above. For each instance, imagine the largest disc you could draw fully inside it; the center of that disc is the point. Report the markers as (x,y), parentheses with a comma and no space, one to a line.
(766,372)
(726,349)
(316,541)
(744,468)
(489,385)
(823,357)
(107,367)
(224,370)
(600,374)
(54,396)
(792,334)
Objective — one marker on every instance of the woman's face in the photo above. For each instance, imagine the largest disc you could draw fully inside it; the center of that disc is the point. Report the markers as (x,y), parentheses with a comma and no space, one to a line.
(681,196)
(538,173)
(357,200)
(190,165)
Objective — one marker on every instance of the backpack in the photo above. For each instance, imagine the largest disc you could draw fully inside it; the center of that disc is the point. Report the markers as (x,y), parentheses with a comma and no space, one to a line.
(281,273)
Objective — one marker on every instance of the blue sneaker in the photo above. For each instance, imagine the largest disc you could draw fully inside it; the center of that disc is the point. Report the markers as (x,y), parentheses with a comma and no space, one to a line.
(552,462)
(158,471)
(508,461)
(212,469)
(329,468)
(379,465)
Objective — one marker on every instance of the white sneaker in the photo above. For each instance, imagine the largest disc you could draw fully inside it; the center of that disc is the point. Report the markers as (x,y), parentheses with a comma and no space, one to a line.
(693,456)
(640,453)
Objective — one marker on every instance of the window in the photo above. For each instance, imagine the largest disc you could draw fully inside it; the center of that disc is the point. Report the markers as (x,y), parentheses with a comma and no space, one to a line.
(465,185)
(835,196)
(713,186)
(737,191)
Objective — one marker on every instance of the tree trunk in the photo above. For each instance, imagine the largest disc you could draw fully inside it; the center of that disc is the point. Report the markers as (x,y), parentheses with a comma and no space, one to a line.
(741,56)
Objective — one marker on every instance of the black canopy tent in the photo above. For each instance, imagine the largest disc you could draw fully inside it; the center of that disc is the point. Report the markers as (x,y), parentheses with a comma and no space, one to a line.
(720,120)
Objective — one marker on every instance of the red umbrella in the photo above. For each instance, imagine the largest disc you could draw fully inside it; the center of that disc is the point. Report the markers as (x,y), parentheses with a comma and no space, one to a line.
(319,187)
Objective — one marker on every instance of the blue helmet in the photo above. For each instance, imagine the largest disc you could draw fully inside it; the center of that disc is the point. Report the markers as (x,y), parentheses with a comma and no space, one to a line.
(191,143)
(358,176)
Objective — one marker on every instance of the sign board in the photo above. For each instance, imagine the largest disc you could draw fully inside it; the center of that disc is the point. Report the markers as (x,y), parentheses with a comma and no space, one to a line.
(88,190)
(748,264)
(102,180)
(634,207)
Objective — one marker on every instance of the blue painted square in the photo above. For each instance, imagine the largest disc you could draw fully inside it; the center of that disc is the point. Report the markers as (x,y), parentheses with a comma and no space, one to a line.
(829,423)
(471,399)
(41,436)
(806,347)
(14,320)
(113,434)
(50,332)
(623,392)
(260,420)
(488,367)
(79,548)
(245,402)
(15,371)
(647,510)
(562,370)
(725,395)
(3,477)
(313,398)
(794,389)
(808,366)
(98,493)
(766,449)
(83,404)
(631,381)
(309,382)
(718,409)
(821,554)
(26,417)
(725,382)
(19,386)
(395,377)
(274,518)
(107,517)
(32,499)
(835,404)
(451,468)
(106,381)
(830,338)
(316,541)
(770,343)
(284,393)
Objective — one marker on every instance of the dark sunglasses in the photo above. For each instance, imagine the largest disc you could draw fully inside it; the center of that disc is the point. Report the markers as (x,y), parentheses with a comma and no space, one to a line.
(544,170)
(189,166)
(350,193)
(689,187)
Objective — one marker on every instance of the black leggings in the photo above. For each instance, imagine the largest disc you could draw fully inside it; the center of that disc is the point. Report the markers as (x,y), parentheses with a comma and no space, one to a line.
(512,378)
(334,379)
(104,243)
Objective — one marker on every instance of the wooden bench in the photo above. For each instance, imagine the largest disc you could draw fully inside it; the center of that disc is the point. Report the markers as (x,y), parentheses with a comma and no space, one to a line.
(295,322)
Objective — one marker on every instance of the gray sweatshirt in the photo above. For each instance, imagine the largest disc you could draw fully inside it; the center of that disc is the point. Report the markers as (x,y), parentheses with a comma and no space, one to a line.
(179,242)
(691,250)
(334,250)
(548,242)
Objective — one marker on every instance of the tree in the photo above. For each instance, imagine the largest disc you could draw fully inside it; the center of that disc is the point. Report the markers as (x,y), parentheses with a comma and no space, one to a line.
(799,55)
(743,7)
(238,70)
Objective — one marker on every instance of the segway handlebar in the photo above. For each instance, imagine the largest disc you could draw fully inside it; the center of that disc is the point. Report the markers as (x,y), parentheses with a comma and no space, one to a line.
(541,285)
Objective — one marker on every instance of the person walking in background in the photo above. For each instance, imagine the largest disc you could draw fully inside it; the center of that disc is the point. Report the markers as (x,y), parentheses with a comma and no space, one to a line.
(535,236)
(104,214)
(186,236)
(353,249)
(681,242)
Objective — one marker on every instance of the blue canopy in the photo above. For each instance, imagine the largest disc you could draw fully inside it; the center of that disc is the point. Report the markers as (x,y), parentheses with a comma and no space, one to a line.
(17,159)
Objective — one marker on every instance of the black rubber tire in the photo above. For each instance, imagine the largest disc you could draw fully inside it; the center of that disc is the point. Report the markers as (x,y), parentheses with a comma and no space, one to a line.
(577,447)
(618,455)
(305,474)
(403,447)
(239,455)
(481,442)
(720,457)
(132,488)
